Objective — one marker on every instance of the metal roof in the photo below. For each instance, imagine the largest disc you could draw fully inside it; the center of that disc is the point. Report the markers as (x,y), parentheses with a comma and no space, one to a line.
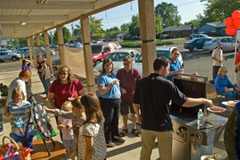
(179,28)
(217,24)
(41,15)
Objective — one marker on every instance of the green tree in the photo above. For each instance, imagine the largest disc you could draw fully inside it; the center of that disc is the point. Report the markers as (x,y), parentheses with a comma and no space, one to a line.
(134,27)
(168,14)
(218,10)
(125,27)
(77,31)
(196,22)
(96,27)
(158,25)
(112,32)
(66,35)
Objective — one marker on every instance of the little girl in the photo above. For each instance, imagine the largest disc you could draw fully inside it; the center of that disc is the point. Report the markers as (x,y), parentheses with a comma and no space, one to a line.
(65,125)
(91,141)
(19,110)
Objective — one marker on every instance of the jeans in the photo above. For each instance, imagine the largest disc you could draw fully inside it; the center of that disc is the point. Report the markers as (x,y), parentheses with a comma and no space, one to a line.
(229,95)
(46,85)
(215,71)
(110,109)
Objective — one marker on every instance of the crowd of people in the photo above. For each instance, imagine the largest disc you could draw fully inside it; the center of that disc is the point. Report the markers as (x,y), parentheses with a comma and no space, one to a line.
(88,123)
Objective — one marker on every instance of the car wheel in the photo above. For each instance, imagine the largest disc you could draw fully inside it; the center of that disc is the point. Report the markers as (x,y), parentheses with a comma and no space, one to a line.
(195,49)
(14,58)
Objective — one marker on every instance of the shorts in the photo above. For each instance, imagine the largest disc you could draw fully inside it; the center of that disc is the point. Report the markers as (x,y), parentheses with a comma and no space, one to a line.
(68,143)
(124,108)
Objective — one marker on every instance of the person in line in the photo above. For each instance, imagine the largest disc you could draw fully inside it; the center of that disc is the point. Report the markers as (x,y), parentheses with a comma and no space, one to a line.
(217,57)
(77,115)
(232,134)
(175,65)
(18,109)
(151,103)
(23,77)
(224,86)
(38,67)
(128,77)
(64,88)
(46,73)
(109,89)
(65,125)
(26,65)
(91,142)
(237,61)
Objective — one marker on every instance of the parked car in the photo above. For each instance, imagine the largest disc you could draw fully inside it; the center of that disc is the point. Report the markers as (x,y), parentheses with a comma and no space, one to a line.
(9,55)
(117,58)
(228,44)
(55,64)
(161,52)
(43,51)
(196,44)
(101,50)
(196,35)
(118,45)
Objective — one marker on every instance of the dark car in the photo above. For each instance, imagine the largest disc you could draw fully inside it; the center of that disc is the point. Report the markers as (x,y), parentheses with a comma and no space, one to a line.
(196,44)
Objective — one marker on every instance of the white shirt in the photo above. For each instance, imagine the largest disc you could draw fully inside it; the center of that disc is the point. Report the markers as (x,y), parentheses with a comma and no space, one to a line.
(217,53)
(47,72)
(14,84)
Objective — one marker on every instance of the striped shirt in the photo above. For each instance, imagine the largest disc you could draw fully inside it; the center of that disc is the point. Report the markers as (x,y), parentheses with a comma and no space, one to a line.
(19,116)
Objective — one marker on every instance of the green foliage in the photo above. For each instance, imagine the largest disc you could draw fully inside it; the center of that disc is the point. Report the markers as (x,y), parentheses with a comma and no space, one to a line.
(125,27)
(66,35)
(96,27)
(169,14)
(158,25)
(134,27)
(213,33)
(112,32)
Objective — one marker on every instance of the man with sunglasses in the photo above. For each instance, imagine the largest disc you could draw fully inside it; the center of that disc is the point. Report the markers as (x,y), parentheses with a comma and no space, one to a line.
(175,65)
(128,77)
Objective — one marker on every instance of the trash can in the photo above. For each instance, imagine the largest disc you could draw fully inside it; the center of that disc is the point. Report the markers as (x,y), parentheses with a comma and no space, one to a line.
(2,104)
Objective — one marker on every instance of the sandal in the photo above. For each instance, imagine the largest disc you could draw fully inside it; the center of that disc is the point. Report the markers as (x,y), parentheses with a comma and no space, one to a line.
(110,144)
(120,140)
(123,133)
(135,132)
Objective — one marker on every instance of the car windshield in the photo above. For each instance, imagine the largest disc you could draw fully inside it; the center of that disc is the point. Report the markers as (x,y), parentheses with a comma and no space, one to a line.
(96,49)
(160,53)
(215,40)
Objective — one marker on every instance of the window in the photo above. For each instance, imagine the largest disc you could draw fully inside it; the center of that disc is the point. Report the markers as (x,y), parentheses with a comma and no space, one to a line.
(106,48)
(96,49)
(225,40)
(163,54)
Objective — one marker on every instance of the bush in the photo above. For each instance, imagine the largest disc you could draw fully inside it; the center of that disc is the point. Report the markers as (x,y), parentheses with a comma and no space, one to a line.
(213,33)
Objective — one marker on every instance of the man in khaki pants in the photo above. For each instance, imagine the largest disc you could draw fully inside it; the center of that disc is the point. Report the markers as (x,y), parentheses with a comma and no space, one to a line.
(151,104)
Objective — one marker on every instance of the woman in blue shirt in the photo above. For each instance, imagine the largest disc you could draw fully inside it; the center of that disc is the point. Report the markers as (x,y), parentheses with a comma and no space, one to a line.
(224,86)
(109,89)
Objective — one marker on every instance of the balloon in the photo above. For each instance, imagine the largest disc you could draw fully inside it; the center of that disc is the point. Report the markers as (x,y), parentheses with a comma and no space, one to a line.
(230,30)
(236,13)
(228,21)
(236,22)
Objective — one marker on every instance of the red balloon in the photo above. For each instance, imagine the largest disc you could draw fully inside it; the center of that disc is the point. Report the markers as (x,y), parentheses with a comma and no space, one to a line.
(229,21)
(236,22)
(230,30)
(235,14)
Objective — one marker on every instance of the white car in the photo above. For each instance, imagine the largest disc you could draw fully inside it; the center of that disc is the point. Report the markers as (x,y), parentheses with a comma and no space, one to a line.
(228,44)
(9,55)
(161,52)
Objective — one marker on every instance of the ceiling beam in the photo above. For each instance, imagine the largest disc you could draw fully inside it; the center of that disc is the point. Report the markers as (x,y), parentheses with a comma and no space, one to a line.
(32,4)
(45,18)
(28,25)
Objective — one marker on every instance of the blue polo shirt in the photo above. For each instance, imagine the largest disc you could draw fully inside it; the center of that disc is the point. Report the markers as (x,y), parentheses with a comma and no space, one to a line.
(174,67)
(104,80)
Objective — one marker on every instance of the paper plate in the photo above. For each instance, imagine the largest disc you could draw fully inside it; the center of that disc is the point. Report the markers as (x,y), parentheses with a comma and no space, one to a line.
(216,111)
(229,103)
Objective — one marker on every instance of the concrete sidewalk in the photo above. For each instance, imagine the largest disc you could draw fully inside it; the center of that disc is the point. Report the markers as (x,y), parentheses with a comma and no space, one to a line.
(130,150)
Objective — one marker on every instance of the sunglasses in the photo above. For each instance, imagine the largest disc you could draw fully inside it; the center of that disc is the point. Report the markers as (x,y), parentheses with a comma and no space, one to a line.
(177,54)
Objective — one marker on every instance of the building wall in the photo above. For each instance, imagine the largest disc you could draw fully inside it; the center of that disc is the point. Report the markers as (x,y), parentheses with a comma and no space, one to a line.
(185,33)
(206,28)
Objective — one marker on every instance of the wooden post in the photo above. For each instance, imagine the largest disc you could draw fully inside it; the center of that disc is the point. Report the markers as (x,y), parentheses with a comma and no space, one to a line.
(60,44)
(38,44)
(85,27)
(148,35)
(29,48)
(33,51)
(48,54)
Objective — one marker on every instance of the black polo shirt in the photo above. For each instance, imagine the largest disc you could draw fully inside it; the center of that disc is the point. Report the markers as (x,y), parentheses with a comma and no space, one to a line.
(154,93)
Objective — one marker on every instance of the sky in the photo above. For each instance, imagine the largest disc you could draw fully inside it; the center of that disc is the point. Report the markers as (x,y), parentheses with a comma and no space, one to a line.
(187,9)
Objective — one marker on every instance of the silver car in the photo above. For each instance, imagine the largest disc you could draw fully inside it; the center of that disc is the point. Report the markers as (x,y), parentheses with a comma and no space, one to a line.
(117,58)
(9,55)
(228,44)
(161,52)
